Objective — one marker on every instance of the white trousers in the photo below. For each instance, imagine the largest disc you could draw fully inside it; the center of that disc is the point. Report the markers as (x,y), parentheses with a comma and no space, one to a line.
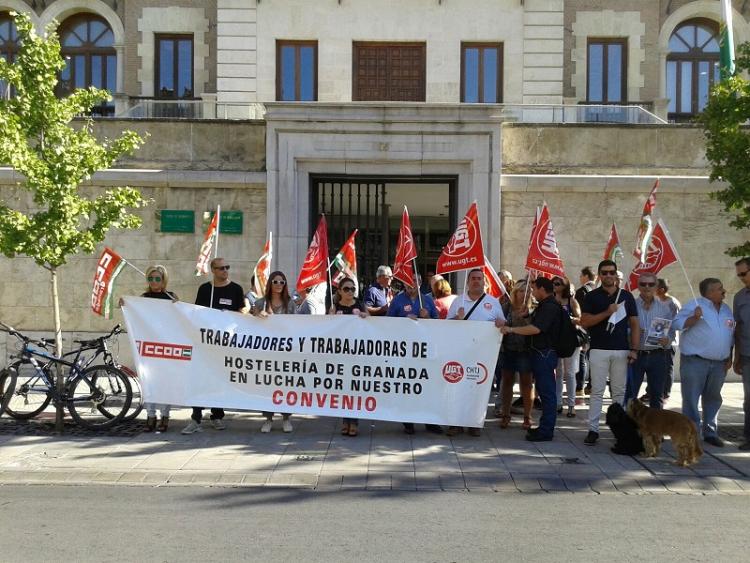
(612,364)
(567,368)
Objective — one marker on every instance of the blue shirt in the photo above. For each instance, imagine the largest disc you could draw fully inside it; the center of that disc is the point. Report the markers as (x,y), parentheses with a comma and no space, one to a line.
(403,306)
(376,296)
(742,316)
(597,301)
(712,336)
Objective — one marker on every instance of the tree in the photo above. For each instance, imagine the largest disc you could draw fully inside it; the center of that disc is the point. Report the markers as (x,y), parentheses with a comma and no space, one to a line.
(39,139)
(728,145)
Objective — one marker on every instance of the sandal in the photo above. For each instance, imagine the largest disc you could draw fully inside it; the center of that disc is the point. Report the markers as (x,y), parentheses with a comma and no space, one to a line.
(504,421)
(571,412)
(345,429)
(526,423)
(150,424)
(353,429)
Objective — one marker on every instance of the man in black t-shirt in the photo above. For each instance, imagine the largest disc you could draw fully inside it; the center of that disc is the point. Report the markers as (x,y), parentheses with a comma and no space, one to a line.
(544,331)
(229,296)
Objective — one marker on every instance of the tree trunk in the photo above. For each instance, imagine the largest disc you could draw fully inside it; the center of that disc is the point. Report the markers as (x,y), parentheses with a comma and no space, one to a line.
(60,380)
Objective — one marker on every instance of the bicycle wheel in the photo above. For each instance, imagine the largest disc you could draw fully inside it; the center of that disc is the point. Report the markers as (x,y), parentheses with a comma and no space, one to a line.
(136,405)
(31,394)
(100,397)
(7,386)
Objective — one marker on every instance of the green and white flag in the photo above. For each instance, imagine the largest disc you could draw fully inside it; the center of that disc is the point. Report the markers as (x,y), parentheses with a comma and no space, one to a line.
(726,43)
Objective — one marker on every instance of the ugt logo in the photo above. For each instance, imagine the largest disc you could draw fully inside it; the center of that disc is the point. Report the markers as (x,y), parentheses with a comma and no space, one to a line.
(463,238)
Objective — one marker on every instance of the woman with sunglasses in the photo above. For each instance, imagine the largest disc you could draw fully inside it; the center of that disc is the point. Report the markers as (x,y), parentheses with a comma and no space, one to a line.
(275,301)
(157,278)
(567,367)
(344,303)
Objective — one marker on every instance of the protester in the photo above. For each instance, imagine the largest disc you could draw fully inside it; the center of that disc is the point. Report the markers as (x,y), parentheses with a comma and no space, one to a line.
(567,367)
(544,331)
(228,296)
(346,304)
(662,292)
(444,297)
(476,305)
(426,286)
(741,307)
(379,294)
(607,314)
(250,298)
(587,281)
(653,349)
(314,300)
(516,356)
(506,278)
(275,301)
(157,279)
(706,342)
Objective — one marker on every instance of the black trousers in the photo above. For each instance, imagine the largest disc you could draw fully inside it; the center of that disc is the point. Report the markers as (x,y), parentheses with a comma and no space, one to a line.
(197,415)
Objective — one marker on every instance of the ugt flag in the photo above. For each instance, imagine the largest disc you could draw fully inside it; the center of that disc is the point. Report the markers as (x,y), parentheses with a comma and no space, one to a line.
(315,268)
(613,249)
(108,267)
(646,228)
(544,256)
(661,253)
(406,252)
(263,268)
(346,261)
(493,285)
(464,249)
(212,234)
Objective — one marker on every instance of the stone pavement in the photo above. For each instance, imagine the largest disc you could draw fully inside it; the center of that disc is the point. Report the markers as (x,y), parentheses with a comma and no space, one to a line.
(381,458)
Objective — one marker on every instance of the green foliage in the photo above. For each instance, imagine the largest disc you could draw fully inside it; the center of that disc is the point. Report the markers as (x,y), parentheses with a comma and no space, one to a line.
(727,134)
(38,139)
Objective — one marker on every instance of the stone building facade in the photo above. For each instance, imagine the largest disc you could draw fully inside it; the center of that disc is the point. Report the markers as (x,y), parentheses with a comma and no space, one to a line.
(343,95)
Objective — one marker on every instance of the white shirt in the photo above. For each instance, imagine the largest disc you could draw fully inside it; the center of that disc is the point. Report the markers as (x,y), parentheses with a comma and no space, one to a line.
(488,310)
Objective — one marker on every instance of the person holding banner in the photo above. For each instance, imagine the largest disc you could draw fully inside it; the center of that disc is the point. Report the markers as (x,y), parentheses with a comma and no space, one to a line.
(275,301)
(223,294)
(610,316)
(379,295)
(476,305)
(346,304)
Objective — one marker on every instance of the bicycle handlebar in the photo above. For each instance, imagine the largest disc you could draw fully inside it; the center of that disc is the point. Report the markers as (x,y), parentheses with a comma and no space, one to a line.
(44,342)
(96,341)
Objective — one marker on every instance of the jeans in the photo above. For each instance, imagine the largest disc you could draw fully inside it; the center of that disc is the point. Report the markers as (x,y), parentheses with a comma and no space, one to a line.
(151,410)
(566,370)
(583,370)
(702,379)
(654,366)
(197,415)
(746,387)
(670,372)
(543,364)
(612,364)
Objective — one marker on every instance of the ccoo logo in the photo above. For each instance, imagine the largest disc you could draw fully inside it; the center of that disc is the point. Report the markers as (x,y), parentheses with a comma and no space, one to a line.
(164,350)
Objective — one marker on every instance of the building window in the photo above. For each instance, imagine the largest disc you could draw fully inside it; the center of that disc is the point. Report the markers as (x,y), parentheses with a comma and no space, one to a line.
(174,67)
(297,71)
(87,45)
(385,72)
(8,47)
(692,67)
(482,73)
(607,71)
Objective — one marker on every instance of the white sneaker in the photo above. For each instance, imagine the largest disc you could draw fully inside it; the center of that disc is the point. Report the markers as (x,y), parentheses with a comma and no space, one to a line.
(266,428)
(218,424)
(192,428)
(286,426)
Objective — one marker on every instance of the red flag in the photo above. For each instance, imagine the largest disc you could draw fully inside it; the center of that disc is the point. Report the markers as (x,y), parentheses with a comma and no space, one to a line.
(346,261)
(544,257)
(315,268)
(464,249)
(492,282)
(661,253)
(646,228)
(263,268)
(613,245)
(204,257)
(406,252)
(107,269)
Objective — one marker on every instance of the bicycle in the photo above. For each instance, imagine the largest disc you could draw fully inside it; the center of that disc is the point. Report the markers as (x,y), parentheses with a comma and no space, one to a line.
(97,397)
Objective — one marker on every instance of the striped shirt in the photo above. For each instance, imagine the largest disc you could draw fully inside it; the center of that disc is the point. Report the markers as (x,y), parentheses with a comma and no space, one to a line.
(659,310)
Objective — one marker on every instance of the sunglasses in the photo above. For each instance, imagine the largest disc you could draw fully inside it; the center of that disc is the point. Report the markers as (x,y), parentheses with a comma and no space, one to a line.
(646,284)
(742,274)
(348,289)
(278,282)
(154,278)
(225,268)
(608,273)
(557,283)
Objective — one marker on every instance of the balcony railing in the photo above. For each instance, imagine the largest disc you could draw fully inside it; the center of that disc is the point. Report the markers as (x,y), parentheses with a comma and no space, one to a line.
(148,108)
(581,113)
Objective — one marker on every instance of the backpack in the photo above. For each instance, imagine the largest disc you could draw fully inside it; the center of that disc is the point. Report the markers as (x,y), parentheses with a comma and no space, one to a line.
(567,340)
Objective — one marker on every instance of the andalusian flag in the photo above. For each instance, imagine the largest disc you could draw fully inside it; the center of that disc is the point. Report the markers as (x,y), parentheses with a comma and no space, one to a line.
(108,267)
(346,262)
(646,228)
(613,249)
(726,42)
(263,268)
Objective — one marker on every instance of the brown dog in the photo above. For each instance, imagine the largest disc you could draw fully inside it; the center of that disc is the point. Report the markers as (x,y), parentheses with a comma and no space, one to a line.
(654,424)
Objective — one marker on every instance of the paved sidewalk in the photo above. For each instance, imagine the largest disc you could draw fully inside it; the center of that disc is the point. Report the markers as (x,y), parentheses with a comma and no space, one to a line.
(381,458)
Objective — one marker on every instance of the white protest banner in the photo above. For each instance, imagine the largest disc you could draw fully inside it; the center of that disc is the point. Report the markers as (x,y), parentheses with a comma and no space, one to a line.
(427,371)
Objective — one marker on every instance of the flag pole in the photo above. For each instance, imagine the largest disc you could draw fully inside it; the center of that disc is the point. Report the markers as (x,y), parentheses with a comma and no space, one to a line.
(416,277)
(216,253)
(134,267)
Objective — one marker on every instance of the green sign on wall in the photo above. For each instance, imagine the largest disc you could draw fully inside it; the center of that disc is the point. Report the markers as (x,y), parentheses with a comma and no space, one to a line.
(176,221)
(230,224)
